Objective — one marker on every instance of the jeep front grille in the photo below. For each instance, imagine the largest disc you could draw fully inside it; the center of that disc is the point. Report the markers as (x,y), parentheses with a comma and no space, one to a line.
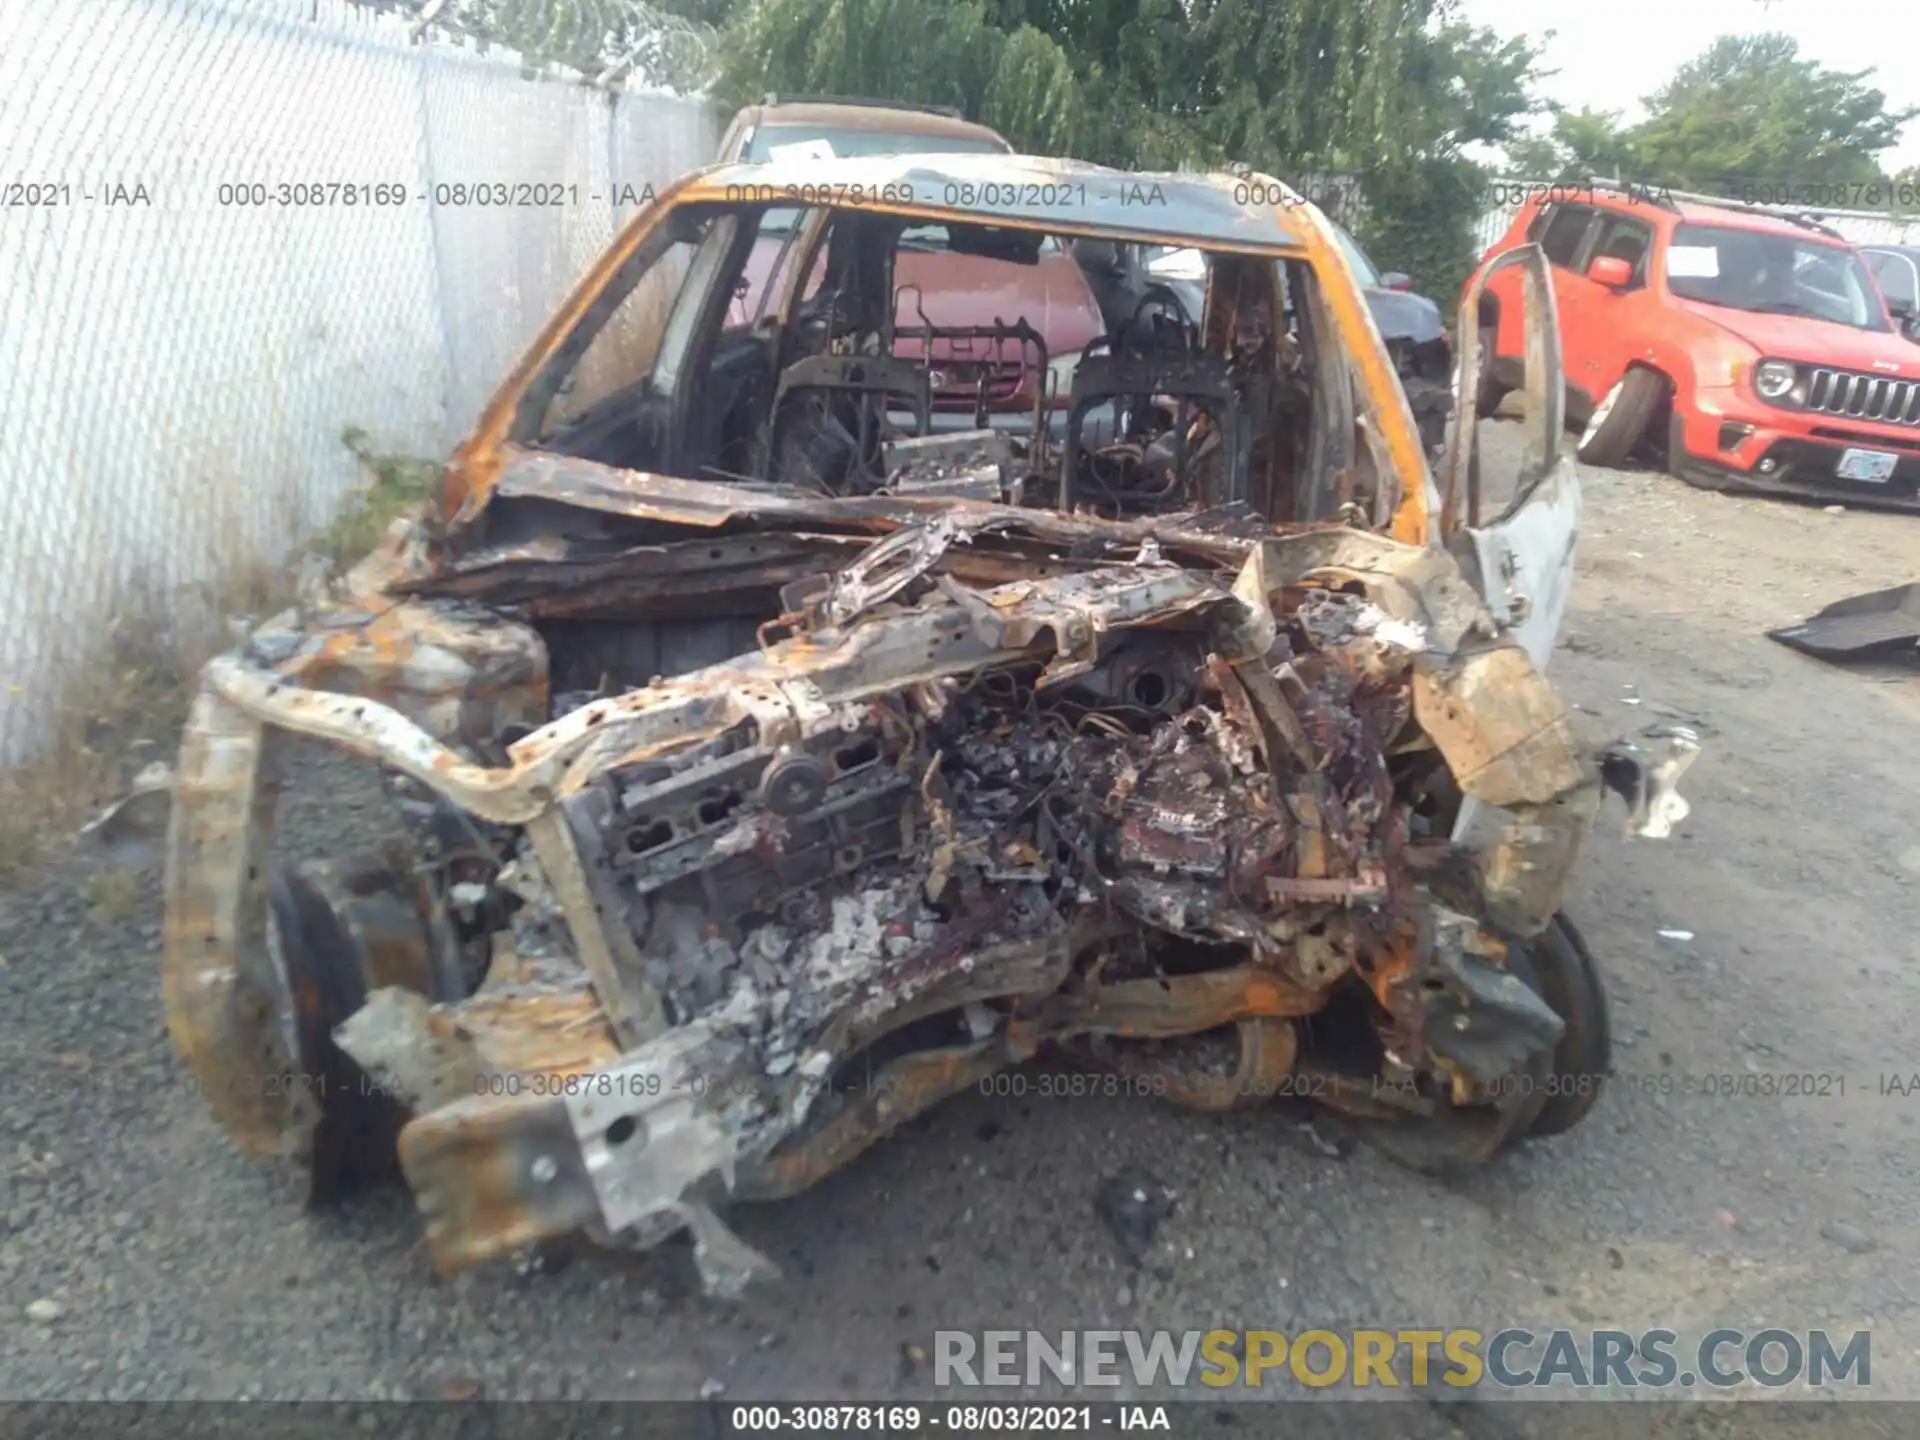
(1865,397)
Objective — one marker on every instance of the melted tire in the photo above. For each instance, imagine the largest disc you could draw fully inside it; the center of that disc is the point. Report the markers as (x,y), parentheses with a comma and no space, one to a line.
(353,1147)
(1568,980)
(1458,1140)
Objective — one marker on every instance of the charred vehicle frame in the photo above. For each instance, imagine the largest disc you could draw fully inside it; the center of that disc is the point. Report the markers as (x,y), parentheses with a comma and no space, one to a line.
(779,767)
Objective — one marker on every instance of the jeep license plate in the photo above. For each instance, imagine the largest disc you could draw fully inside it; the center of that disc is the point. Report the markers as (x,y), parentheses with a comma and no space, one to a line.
(1875,465)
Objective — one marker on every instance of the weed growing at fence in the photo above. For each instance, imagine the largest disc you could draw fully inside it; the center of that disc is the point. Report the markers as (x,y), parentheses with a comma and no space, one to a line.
(116,714)
(114,895)
(124,708)
(395,485)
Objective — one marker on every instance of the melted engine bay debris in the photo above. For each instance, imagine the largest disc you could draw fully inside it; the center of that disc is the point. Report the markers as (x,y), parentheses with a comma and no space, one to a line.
(1186,807)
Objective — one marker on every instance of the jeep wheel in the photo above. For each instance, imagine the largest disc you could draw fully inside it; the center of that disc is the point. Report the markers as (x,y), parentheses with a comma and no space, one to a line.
(1568,980)
(1621,418)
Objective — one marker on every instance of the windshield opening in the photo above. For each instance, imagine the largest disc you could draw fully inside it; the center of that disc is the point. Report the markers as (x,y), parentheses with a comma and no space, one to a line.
(1772,275)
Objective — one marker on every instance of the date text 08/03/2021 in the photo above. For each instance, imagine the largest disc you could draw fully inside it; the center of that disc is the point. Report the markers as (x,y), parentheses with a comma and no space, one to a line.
(1061,196)
(1674,1084)
(55,193)
(1885,1086)
(443,194)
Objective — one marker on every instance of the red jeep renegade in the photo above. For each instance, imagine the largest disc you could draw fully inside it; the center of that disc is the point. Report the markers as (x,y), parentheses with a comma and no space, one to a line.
(1753,349)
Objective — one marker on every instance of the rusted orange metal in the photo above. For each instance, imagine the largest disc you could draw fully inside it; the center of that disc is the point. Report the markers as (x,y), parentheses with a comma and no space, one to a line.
(474,469)
(908,1087)
(221,1005)
(1184,1004)
(1268,1049)
(468,1167)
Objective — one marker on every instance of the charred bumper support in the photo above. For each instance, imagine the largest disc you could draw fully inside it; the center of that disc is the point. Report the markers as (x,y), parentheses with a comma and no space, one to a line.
(951,876)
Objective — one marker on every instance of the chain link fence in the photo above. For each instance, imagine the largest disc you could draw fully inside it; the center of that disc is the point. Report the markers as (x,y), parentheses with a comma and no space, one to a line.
(233,232)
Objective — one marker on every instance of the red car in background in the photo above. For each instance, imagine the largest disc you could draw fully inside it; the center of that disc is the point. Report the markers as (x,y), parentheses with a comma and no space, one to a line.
(1751,349)
(934,286)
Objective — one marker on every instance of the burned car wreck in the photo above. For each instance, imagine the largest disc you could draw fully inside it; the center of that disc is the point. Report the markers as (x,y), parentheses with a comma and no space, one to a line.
(780,761)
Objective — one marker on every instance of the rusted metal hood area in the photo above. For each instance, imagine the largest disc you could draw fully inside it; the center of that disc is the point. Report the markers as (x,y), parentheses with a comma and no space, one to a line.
(1123,787)
(569,536)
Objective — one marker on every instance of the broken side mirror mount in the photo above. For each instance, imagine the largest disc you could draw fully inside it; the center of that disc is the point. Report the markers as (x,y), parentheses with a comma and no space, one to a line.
(1647,778)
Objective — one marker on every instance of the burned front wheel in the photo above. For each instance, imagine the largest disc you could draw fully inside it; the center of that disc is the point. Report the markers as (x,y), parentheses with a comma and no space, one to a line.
(1550,1093)
(335,933)
(1567,979)
(1443,1132)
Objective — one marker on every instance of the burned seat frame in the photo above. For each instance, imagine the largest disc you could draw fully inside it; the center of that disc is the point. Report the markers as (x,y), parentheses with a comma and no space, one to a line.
(1194,380)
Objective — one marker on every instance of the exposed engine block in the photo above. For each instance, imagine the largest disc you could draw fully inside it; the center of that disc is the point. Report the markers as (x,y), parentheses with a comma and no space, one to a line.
(995,810)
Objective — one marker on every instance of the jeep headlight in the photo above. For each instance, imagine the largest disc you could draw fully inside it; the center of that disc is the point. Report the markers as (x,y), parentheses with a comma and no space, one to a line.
(1774,380)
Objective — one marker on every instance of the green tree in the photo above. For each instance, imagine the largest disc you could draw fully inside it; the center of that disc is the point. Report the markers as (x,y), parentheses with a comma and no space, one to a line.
(1905,186)
(926,52)
(1580,143)
(669,44)
(1456,85)
(1534,157)
(1033,94)
(1595,143)
(1751,109)
(1286,85)
(1390,90)
(712,14)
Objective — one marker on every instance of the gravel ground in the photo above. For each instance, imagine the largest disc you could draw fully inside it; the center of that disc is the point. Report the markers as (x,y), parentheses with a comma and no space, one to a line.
(173,1269)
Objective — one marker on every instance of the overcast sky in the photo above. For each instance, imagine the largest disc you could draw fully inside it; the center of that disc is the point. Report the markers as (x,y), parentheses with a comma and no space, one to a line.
(1609,53)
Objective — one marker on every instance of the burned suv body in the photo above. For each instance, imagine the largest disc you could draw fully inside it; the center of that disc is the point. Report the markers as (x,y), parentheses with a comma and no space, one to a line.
(781,767)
